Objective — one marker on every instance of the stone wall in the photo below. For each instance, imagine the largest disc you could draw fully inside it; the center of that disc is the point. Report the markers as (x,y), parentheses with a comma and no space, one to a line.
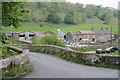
(82,56)
(18,60)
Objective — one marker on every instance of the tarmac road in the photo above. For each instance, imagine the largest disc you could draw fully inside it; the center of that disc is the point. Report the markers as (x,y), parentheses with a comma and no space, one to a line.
(50,66)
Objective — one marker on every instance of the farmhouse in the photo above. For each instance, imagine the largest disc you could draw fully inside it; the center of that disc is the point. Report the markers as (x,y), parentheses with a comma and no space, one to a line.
(92,35)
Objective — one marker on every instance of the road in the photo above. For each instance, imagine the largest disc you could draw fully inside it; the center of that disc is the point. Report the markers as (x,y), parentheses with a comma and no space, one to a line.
(50,66)
(91,52)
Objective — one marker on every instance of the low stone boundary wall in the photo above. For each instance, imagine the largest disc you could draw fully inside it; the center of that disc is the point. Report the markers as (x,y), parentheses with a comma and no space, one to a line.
(91,47)
(16,61)
(81,56)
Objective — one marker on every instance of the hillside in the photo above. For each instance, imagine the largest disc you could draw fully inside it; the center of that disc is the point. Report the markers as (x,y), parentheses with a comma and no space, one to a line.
(90,14)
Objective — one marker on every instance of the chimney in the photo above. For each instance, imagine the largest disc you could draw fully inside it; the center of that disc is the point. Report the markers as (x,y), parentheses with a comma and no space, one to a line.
(106,29)
(101,28)
(92,29)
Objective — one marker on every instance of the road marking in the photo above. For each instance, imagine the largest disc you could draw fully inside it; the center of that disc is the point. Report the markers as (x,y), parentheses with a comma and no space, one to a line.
(44,59)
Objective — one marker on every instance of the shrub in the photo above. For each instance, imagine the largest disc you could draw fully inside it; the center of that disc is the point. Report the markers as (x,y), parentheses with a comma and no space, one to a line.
(68,57)
(41,25)
(7,52)
(49,40)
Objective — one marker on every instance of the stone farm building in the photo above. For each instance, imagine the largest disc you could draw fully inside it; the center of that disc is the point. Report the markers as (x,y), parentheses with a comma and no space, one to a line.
(23,35)
(92,35)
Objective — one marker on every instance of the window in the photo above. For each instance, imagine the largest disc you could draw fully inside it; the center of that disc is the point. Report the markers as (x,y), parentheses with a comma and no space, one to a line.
(22,35)
(31,35)
(87,36)
(93,36)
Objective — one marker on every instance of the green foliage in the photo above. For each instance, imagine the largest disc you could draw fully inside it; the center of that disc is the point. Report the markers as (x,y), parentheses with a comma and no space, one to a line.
(48,40)
(4,38)
(53,18)
(15,72)
(7,52)
(90,11)
(11,13)
(41,25)
(114,53)
(41,10)
(108,18)
(69,19)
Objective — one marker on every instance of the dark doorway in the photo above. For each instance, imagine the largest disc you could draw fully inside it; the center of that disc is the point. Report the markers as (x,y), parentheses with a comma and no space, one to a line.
(64,36)
(80,38)
(93,40)
(75,40)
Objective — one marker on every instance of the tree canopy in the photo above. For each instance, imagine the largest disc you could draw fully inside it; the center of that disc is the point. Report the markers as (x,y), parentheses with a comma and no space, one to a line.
(11,13)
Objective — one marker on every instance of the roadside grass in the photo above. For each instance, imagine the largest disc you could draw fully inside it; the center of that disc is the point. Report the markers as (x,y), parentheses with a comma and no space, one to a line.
(65,28)
(114,53)
(69,57)
(12,42)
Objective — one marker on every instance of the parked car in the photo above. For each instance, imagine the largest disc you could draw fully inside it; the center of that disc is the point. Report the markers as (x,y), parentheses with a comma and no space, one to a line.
(100,51)
(111,49)
(107,50)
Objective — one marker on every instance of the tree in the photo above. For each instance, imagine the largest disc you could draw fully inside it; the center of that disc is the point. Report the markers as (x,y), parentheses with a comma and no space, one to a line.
(115,13)
(108,18)
(68,19)
(4,37)
(11,13)
(53,17)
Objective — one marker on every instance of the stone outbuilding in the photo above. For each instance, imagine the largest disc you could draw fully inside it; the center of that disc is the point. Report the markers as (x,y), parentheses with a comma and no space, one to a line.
(23,35)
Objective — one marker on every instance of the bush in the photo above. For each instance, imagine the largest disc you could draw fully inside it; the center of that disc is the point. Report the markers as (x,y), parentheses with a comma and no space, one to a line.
(41,25)
(48,40)
(7,52)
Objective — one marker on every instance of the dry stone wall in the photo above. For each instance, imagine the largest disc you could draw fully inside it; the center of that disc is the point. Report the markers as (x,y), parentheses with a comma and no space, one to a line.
(18,60)
(83,57)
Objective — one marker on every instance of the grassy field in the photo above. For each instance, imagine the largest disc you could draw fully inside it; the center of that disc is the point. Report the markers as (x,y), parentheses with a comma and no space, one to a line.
(63,27)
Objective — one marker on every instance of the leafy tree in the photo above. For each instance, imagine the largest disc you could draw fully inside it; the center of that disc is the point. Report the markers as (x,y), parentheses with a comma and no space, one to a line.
(108,18)
(53,17)
(83,18)
(69,19)
(97,9)
(4,37)
(80,7)
(41,5)
(90,11)
(115,13)
(11,13)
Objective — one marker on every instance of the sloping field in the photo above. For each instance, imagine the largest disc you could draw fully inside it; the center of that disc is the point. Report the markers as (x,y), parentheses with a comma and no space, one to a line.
(63,27)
